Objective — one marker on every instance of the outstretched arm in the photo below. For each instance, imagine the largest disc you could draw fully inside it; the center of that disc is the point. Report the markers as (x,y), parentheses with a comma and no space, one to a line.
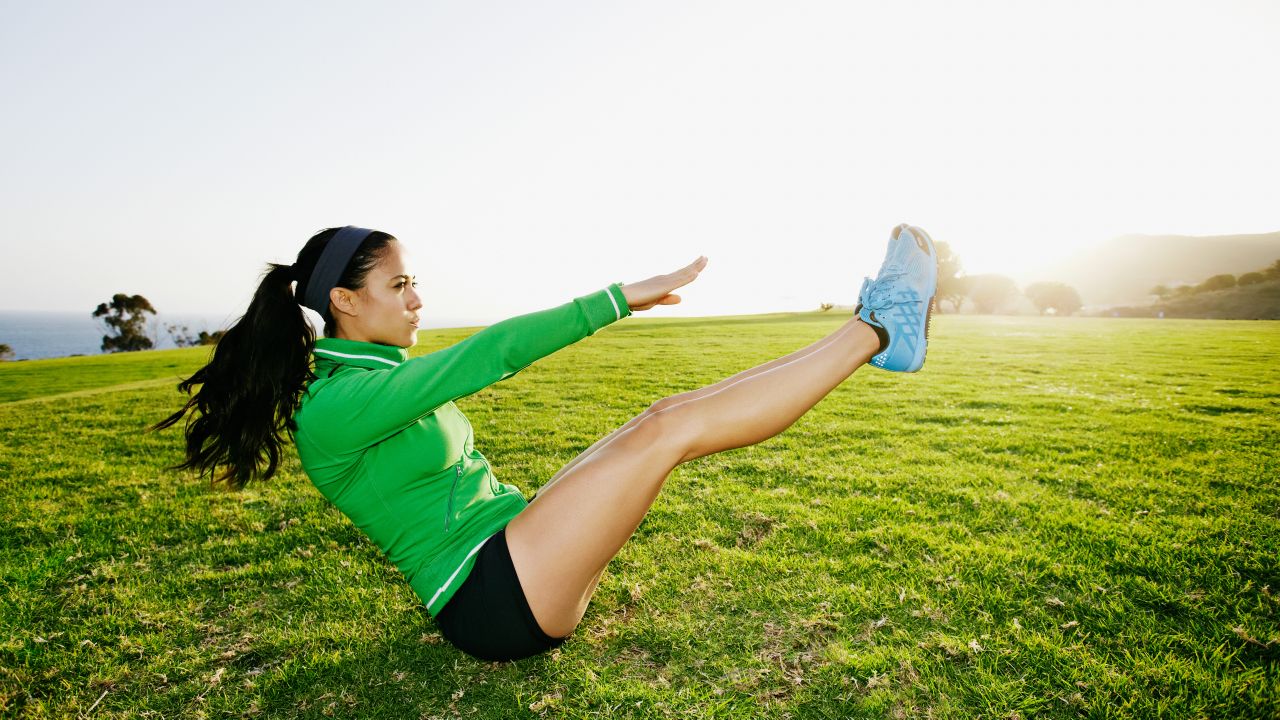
(366,407)
(354,410)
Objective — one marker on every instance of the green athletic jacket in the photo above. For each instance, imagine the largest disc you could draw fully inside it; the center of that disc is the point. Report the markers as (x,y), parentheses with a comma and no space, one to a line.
(380,437)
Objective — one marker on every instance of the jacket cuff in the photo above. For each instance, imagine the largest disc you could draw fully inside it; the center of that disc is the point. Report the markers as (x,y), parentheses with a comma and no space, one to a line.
(603,307)
(615,292)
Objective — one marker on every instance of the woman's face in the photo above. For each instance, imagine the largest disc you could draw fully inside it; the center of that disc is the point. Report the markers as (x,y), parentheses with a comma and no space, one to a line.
(385,310)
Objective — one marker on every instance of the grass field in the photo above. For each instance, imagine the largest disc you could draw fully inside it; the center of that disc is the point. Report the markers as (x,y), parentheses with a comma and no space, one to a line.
(1056,518)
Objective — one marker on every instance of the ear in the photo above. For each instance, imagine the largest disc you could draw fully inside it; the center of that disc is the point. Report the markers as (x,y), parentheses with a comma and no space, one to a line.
(345,301)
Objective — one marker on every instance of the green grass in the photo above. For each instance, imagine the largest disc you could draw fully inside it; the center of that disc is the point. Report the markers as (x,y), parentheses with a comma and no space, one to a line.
(86,375)
(1057,518)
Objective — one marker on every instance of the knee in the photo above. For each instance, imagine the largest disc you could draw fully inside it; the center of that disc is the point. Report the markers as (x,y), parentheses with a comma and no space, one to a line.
(658,406)
(666,403)
(663,423)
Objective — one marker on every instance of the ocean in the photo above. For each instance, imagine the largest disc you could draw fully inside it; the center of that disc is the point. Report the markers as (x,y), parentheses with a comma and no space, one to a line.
(35,335)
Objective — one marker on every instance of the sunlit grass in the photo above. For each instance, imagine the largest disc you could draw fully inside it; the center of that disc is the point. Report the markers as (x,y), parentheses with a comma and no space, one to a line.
(1056,518)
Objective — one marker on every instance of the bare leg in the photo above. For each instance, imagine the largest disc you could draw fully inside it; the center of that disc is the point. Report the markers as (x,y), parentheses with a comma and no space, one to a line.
(662,405)
(676,399)
(561,543)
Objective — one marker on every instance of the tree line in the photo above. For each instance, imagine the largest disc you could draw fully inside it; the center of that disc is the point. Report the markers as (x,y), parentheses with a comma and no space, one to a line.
(991,292)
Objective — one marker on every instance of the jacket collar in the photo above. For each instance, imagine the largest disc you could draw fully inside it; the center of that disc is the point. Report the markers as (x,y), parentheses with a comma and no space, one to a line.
(374,356)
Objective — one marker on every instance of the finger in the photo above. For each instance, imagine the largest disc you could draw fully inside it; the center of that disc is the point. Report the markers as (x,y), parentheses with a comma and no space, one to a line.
(669,299)
(687,274)
(692,268)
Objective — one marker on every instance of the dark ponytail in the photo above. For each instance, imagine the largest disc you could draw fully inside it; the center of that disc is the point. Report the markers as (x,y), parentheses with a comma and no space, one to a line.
(253,383)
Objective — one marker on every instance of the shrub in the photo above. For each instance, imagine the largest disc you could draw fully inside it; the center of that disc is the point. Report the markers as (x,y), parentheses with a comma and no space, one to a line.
(1217,282)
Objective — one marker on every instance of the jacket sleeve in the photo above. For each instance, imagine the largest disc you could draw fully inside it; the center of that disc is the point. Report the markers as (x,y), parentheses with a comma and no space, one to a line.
(363,408)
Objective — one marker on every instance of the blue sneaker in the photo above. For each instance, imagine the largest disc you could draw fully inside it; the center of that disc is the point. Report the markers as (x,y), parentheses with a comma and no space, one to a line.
(898,304)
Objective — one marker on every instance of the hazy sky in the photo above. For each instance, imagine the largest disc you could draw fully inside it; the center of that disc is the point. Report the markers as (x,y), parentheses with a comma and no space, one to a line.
(528,152)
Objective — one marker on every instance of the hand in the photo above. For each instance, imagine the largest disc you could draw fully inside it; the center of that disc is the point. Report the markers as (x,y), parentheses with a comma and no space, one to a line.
(657,289)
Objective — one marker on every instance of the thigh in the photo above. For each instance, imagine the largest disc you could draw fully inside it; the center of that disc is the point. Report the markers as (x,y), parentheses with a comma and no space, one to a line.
(488,617)
(560,543)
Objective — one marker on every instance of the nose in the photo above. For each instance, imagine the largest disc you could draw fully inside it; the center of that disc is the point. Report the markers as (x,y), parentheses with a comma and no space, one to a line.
(415,300)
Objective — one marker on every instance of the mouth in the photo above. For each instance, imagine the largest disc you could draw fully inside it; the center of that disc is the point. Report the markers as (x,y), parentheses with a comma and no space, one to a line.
(414,322)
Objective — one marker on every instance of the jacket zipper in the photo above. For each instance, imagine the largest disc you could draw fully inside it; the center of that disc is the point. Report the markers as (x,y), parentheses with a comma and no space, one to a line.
(449,513)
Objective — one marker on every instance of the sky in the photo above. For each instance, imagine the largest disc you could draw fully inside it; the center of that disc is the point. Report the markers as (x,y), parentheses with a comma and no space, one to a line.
(529,153)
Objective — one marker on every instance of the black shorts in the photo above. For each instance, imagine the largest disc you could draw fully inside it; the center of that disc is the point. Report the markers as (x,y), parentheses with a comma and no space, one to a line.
(488,617)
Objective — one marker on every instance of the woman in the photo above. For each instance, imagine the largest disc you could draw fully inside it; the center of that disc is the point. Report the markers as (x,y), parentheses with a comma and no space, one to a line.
(379,435)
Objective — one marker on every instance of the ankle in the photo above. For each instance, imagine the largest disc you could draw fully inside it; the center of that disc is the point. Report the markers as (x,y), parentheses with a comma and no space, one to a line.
(882,336)
(877,336)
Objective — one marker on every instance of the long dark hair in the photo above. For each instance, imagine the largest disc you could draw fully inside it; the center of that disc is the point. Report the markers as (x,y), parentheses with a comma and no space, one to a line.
(253,382)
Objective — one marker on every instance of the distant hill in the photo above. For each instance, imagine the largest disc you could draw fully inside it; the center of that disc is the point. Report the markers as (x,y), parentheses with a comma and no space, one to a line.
(1122,270)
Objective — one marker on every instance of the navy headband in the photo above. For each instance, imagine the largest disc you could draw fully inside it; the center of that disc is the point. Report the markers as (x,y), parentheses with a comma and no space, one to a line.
(337,253)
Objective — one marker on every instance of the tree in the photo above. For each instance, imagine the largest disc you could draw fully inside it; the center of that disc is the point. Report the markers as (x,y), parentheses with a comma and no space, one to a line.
(125,316)
(1250,278)
(1161,291)
(1273,272)
(1060,297)
(181,336)
(1217,282)
(958,288)
(951,286)
(823,307)
(6,352)
(990,292)
(211,338)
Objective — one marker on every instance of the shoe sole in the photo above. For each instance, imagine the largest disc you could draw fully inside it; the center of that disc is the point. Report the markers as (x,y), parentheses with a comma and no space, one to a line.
(928,315)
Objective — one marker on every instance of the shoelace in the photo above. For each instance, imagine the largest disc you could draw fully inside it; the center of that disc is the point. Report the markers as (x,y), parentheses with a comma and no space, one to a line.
(878,296)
